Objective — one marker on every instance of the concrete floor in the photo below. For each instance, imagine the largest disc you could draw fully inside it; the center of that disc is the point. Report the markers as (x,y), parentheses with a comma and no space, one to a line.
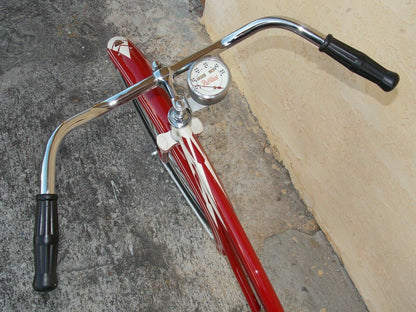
(128,241)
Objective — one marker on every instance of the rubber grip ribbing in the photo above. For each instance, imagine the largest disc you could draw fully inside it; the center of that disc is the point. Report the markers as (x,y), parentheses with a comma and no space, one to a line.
(359,63)
(45,242)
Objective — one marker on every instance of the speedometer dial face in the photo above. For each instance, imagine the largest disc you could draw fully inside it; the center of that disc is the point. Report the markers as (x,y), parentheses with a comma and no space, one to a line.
(208,80)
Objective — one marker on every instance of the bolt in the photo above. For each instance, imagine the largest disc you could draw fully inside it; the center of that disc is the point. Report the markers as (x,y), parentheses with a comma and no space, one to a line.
(156,65)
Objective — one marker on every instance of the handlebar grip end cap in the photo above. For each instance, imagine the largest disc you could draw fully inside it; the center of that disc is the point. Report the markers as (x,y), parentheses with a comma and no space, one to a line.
(46,282)
(45,243)
(390,81)
(359,63)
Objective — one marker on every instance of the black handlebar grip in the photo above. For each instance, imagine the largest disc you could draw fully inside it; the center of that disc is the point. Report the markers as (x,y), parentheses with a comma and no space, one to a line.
(359,63)
(46,242)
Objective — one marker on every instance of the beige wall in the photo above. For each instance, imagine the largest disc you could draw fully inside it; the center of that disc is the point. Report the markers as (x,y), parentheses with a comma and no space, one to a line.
(350,148)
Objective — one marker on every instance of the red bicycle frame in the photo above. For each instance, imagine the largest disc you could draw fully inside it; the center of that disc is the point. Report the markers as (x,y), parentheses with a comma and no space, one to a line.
(229,235)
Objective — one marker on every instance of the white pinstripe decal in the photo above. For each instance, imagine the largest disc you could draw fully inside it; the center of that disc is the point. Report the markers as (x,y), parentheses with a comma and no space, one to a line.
(198,171)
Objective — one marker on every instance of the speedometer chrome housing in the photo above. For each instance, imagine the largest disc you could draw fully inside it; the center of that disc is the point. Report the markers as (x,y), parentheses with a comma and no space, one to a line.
(208,80)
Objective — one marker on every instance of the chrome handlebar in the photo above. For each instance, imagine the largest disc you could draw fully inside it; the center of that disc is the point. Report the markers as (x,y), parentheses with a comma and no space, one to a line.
(246,31)
(161,77)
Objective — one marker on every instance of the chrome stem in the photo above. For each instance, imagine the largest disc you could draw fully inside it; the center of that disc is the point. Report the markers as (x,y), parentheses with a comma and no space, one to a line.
(162,77)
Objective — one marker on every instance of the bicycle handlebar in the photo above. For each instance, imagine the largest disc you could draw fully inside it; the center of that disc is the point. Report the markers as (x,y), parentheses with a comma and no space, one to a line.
(46,229)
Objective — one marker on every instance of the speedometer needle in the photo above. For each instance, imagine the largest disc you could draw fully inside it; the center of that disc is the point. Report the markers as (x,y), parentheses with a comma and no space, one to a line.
(206,86)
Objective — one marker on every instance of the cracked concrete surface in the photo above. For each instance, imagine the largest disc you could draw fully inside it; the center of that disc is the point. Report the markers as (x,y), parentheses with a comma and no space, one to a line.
(128,241)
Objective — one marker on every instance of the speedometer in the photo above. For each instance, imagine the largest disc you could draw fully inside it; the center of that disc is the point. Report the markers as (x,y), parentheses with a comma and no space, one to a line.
(208,80)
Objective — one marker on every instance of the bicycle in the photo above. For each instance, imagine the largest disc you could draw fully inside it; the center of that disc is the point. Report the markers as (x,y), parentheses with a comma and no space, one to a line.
(169,120)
